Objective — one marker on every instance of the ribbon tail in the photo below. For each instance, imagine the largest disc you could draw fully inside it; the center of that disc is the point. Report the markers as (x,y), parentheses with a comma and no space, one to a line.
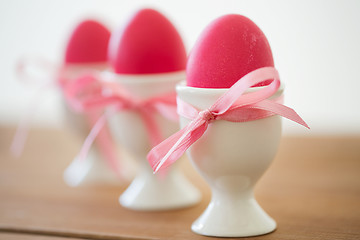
(281,110)
(152,127)
(171,149)
(98,126)
(20,137)
(105,143)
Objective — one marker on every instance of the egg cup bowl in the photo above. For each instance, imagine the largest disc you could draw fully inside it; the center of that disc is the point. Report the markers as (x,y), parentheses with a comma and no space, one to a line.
(150,192)
(231,157)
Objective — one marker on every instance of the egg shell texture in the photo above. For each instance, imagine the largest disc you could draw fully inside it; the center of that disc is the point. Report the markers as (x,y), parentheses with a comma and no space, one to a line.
(88,43)
(228,48)
(148,44)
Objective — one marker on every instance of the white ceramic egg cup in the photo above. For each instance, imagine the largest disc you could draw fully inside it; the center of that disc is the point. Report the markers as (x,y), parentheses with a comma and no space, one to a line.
(94,169)
(231,157)
(150,192)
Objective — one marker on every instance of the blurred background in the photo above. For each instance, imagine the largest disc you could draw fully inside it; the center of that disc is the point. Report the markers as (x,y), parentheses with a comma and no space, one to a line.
(315,44)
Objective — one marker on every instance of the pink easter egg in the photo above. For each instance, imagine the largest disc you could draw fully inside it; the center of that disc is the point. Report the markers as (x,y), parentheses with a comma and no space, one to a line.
(148,44)
(88,43)
(228,48)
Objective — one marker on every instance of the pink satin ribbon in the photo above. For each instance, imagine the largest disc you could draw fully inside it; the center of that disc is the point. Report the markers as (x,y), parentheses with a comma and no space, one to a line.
(89,92)
(233,106)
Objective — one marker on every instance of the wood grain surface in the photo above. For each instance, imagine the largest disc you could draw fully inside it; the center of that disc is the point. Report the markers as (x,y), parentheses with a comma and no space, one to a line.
(312,190)
(30,236)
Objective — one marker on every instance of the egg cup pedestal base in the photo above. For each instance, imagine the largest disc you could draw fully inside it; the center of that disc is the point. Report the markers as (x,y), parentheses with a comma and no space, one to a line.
(233,216)
(93,170)
(164,191)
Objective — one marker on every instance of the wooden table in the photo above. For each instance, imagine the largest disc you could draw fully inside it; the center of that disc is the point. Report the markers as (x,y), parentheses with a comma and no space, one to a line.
(312,190)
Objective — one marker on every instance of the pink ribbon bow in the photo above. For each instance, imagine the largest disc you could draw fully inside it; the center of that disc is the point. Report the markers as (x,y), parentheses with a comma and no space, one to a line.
(26,69)
(234,106)
(90,92)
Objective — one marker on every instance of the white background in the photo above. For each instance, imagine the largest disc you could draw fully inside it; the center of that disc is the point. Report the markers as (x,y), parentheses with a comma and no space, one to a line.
(316,47)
